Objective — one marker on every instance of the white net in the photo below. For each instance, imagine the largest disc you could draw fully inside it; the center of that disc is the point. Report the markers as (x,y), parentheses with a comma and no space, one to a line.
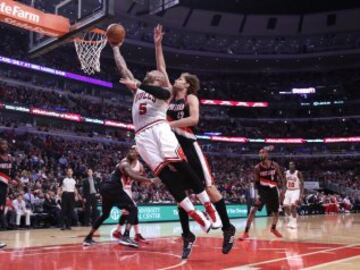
(89,48)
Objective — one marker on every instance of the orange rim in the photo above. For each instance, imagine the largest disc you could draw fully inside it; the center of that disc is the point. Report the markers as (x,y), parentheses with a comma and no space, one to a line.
(96,31)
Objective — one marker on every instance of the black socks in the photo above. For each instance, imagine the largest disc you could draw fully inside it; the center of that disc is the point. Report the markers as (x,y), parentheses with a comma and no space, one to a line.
(221,209)
(184,220)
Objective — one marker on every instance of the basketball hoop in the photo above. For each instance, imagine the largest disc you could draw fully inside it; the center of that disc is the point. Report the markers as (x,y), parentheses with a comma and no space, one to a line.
(88,48)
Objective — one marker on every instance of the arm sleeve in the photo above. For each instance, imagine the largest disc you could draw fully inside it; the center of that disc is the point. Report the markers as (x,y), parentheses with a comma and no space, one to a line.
(156,91)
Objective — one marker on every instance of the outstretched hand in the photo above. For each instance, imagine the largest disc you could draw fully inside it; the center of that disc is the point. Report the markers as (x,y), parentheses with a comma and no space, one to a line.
(116,45)
(155,180)
(158,34)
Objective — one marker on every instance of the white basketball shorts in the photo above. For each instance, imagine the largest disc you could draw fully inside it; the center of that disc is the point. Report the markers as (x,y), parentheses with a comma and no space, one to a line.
(291,196)
(158,146)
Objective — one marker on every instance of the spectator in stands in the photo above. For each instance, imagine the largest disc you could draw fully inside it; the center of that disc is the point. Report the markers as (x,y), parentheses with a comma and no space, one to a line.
(10,213)
(90,189)
(29,199)
(21,210)
(52,208)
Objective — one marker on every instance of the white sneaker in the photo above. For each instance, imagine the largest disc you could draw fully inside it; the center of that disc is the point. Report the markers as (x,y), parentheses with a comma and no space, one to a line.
(292,223)
(2,245)
(200,219)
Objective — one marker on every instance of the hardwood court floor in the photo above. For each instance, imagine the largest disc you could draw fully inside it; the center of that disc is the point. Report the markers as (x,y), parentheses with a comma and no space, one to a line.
(320,242)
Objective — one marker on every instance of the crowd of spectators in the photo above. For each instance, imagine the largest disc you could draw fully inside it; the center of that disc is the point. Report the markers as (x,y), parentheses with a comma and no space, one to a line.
(102,133)
(120,111)
(40,162)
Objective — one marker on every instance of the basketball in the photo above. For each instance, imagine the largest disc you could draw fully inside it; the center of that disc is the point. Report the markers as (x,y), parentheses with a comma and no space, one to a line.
(115,33)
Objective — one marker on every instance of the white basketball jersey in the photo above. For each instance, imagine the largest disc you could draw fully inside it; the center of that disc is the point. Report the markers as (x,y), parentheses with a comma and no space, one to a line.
(126,180)
(147,110)
(292,180)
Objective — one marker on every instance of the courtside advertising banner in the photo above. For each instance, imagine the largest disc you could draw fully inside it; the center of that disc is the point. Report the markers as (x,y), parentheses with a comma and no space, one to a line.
(165,213)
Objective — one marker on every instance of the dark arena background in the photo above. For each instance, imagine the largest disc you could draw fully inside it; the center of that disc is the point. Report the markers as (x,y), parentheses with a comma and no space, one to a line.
(279,82)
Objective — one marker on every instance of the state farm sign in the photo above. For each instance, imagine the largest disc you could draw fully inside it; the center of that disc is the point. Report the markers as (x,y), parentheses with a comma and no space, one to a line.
(18,12)
(31,19)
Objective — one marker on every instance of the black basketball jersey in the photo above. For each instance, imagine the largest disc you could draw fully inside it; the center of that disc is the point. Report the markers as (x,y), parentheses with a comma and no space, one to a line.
(5,169)
(179,109)
(268,175)
(116,177)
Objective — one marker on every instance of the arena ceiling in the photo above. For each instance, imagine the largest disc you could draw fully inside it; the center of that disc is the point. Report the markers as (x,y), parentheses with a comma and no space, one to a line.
(272,6)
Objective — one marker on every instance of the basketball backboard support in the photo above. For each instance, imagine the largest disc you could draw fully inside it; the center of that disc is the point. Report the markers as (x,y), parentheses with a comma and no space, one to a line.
(83,15)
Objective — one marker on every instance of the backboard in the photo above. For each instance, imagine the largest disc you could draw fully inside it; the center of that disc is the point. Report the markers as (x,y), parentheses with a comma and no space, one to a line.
(83,15)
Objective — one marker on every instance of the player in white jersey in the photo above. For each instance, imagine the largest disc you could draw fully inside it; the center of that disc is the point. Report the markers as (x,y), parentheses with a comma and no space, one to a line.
(157,144)
(132,159)
(293,193)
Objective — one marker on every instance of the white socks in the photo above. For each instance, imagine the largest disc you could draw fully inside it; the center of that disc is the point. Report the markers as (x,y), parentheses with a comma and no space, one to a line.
(187,205)
(203,197)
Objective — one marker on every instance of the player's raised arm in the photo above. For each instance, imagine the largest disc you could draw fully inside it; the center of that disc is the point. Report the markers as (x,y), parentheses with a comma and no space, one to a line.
(159,53)
(193,119)
(120,62)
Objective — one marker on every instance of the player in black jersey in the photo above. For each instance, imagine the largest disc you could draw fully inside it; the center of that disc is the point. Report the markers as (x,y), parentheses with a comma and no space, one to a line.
(5,177)
(113,194)
(268,177)
(183,114)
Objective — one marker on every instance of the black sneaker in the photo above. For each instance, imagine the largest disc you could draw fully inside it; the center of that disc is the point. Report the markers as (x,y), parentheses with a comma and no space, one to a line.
(2,245)
(189,241)
(127,241)
(88,242)
(229,237)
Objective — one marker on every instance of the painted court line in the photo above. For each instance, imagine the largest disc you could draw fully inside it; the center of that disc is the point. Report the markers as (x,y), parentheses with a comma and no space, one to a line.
(332,262)
(243,267)
(123,251)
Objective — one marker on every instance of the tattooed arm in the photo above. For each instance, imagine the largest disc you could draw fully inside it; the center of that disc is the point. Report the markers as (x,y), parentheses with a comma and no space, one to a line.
(121,64)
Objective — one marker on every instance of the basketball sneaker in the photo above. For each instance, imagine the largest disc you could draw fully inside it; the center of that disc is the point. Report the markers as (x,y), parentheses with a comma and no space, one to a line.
(213,215)
(200,219)
(127,241)
(2,245)
(116,234)
(244,236)
(276,233)
(140,239)
(228,242)
(292,223)
(88,242)
(189,241)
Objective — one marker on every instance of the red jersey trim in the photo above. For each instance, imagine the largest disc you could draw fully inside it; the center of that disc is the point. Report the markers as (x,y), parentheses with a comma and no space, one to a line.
(267,182)
(4,178)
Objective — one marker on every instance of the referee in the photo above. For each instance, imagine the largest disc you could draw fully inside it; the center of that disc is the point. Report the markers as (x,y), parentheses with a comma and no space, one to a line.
(68,199)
